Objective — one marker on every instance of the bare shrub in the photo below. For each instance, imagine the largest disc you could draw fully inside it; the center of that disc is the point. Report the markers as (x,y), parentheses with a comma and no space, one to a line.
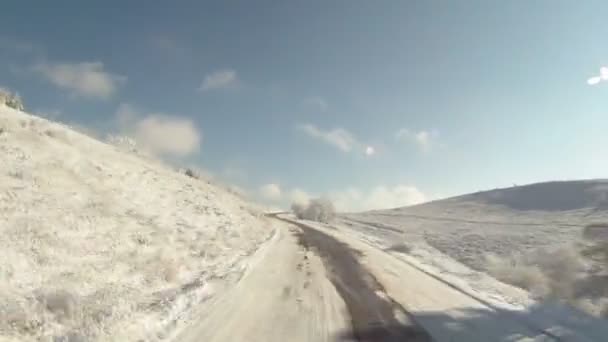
(59,302)
(192,174)
(298,209)
(563,267)
(516,272)
(57,134)
(596,232)
(597,251)
(18,174)
(15,103)
(400,247)
(51,133)
(596,235)
(123,143)
(235,190)
(320,210)
(11,100)
(198,173)
(545,273)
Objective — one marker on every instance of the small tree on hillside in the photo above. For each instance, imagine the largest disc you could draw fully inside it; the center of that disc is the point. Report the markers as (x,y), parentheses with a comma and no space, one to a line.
(298,210)
(11,100)
(320,209)
(15,102)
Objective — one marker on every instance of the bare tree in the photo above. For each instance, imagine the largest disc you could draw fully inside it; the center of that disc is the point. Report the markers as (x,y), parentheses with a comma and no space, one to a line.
(320,209)
(11,100)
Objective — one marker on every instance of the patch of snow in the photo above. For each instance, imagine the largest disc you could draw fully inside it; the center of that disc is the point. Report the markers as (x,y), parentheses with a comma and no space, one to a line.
(285,295)
(135,243)
(455,303)
(451,239)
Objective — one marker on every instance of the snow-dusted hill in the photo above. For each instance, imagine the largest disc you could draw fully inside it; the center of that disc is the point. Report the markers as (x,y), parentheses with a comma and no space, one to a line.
(532,236)
(501,221)
(547,196)
(97,244)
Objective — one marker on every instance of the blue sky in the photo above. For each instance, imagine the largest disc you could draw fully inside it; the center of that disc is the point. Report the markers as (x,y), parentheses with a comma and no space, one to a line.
(376,103)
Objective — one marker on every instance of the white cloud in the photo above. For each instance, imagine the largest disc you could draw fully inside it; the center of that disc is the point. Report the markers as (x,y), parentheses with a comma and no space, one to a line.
(86,79)
(299,196)
(168,135)
(317,102)
(219,79)
(356,200)
(423,139)
(159,133)
(602,77)
(398,196)
(594,80)
(339,138)
(380,197)
(271,191)
(347,200)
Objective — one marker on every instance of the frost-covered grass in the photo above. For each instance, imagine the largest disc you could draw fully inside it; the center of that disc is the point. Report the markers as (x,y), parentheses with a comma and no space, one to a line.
(546,273)
(103,245)
(572,274)
(535,237)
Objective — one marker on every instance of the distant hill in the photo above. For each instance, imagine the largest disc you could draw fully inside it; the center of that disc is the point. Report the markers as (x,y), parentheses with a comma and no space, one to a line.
(501,221)
(584,196)
(547,196)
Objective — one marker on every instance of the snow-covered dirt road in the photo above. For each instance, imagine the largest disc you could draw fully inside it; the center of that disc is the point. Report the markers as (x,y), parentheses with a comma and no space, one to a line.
(304,286)
(316,283)
(285,296)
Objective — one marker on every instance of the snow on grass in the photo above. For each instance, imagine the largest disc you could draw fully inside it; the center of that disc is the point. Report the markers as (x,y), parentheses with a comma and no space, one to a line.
(103,245)
(493,311)
(433,261)
(507,234)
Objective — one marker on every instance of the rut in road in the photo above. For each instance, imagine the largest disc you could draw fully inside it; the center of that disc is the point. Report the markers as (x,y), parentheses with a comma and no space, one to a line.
(374,315)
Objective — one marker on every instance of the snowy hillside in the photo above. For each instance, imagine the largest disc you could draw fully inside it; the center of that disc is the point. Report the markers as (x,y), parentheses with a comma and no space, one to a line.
(102,245)
(530,236)
(548,196)
(504,220)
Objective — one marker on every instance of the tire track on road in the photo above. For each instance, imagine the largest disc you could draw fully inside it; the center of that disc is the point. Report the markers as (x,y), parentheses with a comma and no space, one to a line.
(374,315)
